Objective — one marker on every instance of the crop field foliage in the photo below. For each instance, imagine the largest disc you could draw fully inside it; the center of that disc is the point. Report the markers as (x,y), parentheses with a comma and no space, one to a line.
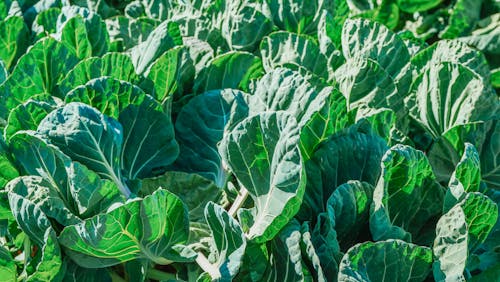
(249,140)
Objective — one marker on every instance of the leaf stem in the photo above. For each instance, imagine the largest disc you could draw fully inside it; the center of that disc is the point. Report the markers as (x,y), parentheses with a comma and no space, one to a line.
(238,202)
(160,275)
(209,268)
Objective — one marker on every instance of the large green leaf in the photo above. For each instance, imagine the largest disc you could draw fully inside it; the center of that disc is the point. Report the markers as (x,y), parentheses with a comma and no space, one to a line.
(386,261)
(47,161)
(46,22)
(352,154)
(38,71)
(263,152)
(214,108)
(349,209)
(406,197)
(229,240)
(165,74)
(8,268)
(161,39)
(321,247)
(365,83)
(319,109)
(446,152)
(41,193)
(448,94)
(125,32)
(452,51)
(87,136)
(14,39)
(33,221)
(28,115)
(108,95)
(458,233)
(152,228)
(98,67)
(230,70)
(284,48)
(149,143)
(94,27)
(463,18)
(244,24)
(366,39)
(299,16)
(285,255)
(412,6)
(194,190)
(75,36)
(80,189)
(486,36)
(465,178)
(8,170)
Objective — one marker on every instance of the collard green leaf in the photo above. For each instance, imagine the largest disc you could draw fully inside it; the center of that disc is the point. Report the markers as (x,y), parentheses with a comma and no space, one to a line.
(87,136)
(80,189)
(465,178)
(108,95)
(263,152)
(406,197)
(97,35)
(285,255)
(28,115)
(459,232)
(126,32)
(214,108)
(452,51)
(463,17)
(318,109)
(244,24)
(284,48)
(352,154)
(229,239)
(349,209)
(8,268)
(321,247)
(365,83)
(149,144)
(165,74)
(161,39)
(231,70)
(391,260)
(33,221)
(14,39)
(486,36)
(194,190)
(412,6)
(288,90)
(46,22)
(8,170)
(367,39)
(75,36)
(448,94)
(299,16)
(38,71)
(255,262)
(41,193)
(151,228)
(93,68)
(91,194)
